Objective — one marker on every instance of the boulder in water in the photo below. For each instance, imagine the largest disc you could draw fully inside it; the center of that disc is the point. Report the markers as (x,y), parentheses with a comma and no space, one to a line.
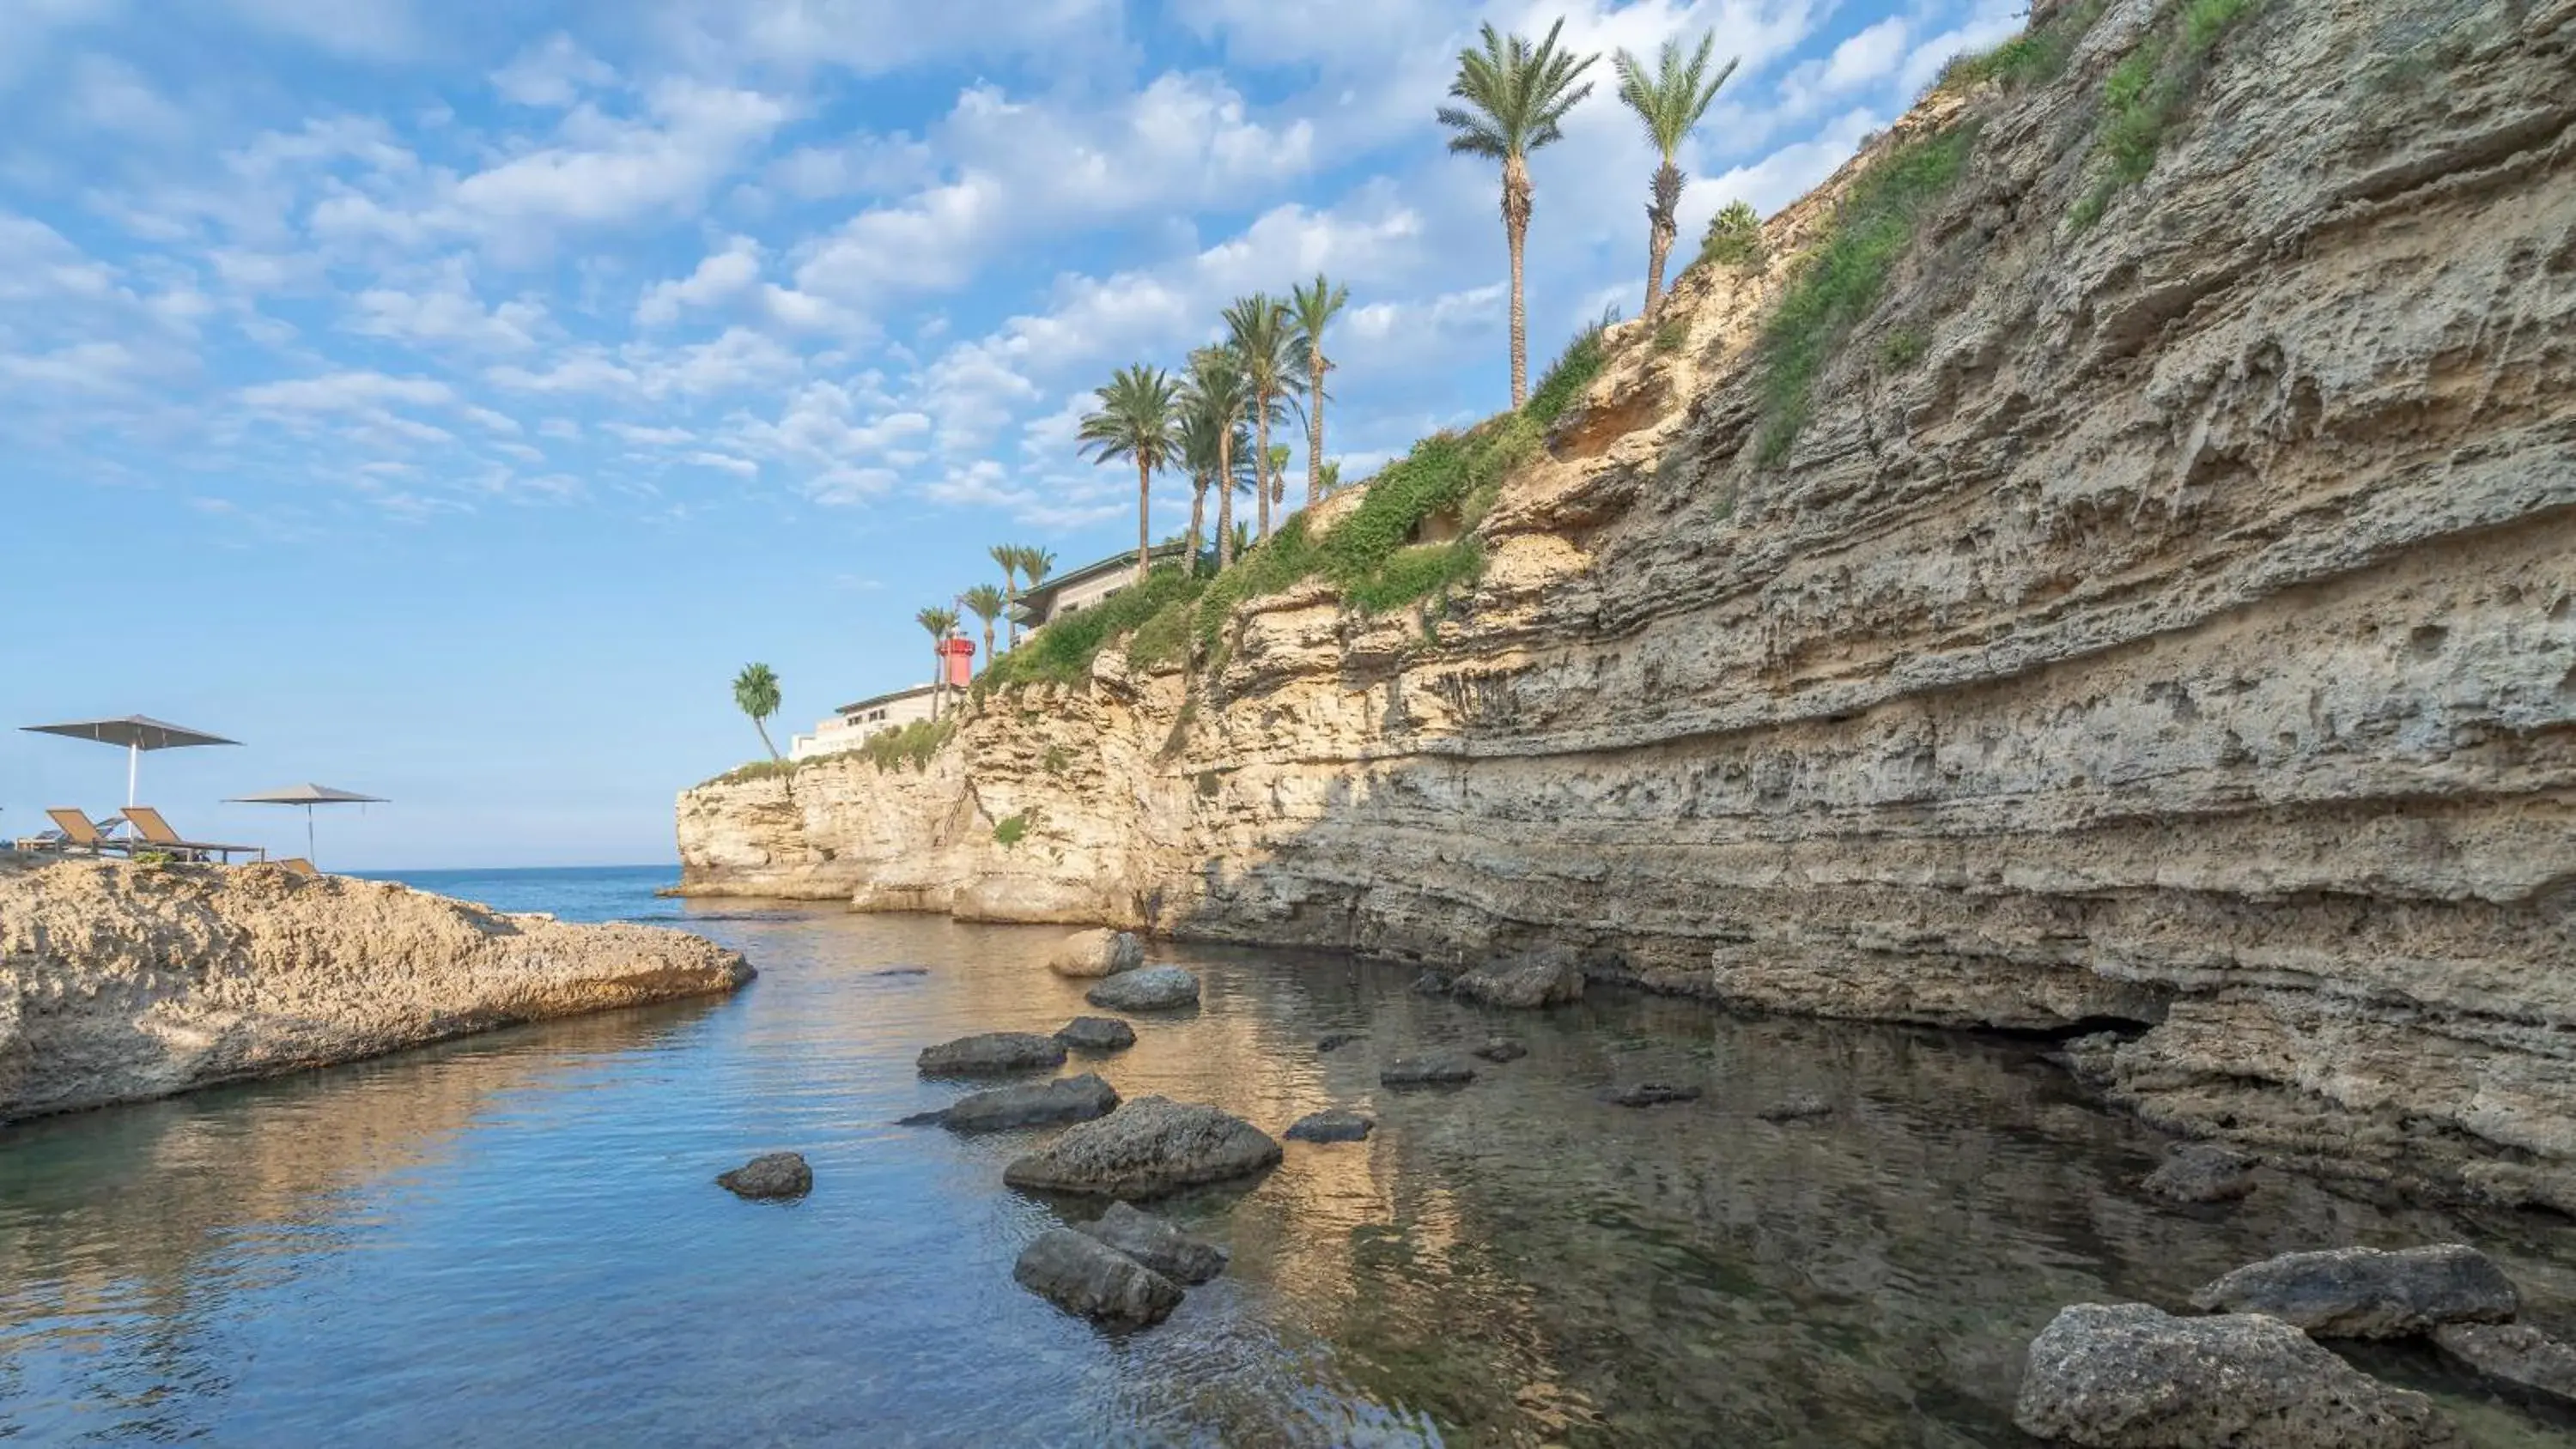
(1026,1104)
(1082,1275)
(1525,981)
(1087,954)
(1431,1069)
(2202,1172)
(992,1053)
(1333,1041)
(1157,1244)
(2513,1353)
(1096,1034)
(2365,1293)
(1797,1106)
(1502,1049)
(1337,1125)
(1155,988)
(1651,1094)
(2128,1376)
(770,1175)
(1148,1147)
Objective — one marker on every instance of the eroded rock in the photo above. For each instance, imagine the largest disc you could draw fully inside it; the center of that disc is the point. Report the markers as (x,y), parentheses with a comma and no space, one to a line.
(1152,988)
(1146,1148)
(1025,1104)
(1096,1034)
(1087,954)
(1156,1244)
(1432,1069)
(2513,1353)
(1084,1276)
(2366,1293)
(1502,1049)
(991,1053)
(2202,1172)
(1527,981)
(1797,1107)
(770,1175)
(1334,1125)
(2128,1376)
(1650,1094)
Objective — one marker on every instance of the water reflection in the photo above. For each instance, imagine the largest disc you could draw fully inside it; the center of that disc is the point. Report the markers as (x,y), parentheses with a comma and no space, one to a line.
(514,1240)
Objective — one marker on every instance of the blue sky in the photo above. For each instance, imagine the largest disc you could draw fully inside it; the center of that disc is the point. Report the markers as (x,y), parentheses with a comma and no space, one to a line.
(445,397)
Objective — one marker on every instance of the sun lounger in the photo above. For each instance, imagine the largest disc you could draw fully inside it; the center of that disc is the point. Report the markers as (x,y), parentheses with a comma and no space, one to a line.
(73,832)
(155,833)
(297,865)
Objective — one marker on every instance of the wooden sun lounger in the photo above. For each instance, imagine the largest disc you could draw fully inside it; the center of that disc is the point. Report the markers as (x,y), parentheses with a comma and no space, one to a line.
(73,831)
(156,833)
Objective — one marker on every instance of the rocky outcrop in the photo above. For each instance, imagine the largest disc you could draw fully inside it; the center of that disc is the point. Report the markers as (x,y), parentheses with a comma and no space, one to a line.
(1156,1244)
(1155,988)
(1027,1104)
(1096,1034)
(991,1054)
(1332,1125)
(2127,1376)
(771,1175)
(1531,979)
(2201,1172)
(1084,1276)
(2366,1293)
(121,981)
(2168,621)
(2513,1353)
(1146,1148)
(1087,954)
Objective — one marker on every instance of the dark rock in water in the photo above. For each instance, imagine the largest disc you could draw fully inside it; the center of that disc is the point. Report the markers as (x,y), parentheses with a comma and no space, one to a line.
(1333,1041)
(1651,1094)
(2365,1293)
(902,971)
(1796,1106)
(2202,1172)
(1435,1069)
(1431,983)
(1528,980)
(1148,1147)
(2127,1376)
(2089,1057)
(1154,988)
(1502,1049)
(1029,1104)
(1332,1126)
(2513,1353)
(771,1175)
(992,1053)
(1082,1275)
(1157,1244)
(1096,1034)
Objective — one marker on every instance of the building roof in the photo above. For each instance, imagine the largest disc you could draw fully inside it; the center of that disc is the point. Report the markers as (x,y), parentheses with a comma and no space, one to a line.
(1036,599)
(889,697)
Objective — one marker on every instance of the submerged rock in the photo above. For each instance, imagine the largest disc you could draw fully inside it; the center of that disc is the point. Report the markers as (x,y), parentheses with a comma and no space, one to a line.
(2365,1293)
(1028,1104)
(902,971)
(1157,1244)
(1154,988)
(1433,1069)
(1096,1034)
(770,1175)
(1148,1147)
(1651,1094)
(1431,983)
(2513,1353)
(1797,1107)
(1333,1041)
(1087,954)
(2127,1376)
(1082,1275)
(1336,1125)
(991,1053)
(1526,981)
(2202,1172)
(1502,1049)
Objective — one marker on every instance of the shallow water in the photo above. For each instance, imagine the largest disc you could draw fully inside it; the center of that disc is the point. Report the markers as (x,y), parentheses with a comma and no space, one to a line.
(515,1240)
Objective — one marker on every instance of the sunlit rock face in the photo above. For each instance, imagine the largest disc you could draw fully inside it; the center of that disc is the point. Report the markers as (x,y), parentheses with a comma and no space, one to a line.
(2181,637)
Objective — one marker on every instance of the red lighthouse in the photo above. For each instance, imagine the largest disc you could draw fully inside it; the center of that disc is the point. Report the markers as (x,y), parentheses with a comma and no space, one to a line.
(958,656)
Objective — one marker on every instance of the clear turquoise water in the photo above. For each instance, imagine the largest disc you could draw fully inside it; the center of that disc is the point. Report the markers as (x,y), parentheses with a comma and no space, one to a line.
(515,1240)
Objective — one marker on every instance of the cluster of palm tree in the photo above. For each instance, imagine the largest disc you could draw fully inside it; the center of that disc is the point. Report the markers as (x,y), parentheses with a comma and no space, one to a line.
(1019,561)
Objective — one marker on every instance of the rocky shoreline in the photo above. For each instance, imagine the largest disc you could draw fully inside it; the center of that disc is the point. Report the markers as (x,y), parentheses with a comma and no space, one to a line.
(123,981)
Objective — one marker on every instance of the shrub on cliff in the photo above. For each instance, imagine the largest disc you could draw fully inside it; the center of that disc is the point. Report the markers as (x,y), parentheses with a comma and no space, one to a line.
(1734,238)
(1062,652)
(911,744)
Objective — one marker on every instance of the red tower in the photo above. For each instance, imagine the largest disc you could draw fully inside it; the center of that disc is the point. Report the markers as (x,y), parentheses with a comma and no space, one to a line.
(960,657)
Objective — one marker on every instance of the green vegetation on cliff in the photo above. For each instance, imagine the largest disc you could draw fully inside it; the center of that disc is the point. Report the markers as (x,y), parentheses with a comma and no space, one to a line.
(2150,91)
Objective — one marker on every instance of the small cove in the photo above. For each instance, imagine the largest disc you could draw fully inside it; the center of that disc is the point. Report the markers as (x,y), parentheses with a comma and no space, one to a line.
(515,1239)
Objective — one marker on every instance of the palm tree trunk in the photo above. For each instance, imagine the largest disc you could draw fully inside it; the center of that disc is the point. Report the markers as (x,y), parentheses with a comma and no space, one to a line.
(1660,230)
(1198,518)
(757,724)
(1225,503)
(988,643)
(1010,607)
(1261,464)
(938,676)
(1517,203)
(1315,434)
(1144,520)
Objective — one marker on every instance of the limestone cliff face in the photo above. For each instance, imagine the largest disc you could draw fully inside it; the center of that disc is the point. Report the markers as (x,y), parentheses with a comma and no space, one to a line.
(120,982)
(2183,635)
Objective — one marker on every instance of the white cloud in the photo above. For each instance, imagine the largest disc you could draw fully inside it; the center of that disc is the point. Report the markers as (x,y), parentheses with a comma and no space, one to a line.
(362,29)
(552,74)
(446,312)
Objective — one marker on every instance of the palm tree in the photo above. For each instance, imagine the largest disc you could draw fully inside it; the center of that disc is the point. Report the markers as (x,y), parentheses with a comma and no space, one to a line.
(941,623)
(1209,441)
(1670,102)
(1136,418)
(1217,384)
(755,692)
(1008,556)
(986,603)
(1314,307)
(1034,563)
(1257,326)
(1516,97)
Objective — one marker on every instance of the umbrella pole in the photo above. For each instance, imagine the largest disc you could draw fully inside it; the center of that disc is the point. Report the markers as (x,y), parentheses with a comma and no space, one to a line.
(310,854)
(133,758)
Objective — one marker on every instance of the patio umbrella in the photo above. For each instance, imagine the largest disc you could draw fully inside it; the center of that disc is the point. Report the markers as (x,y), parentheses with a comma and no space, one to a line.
(137,734)
(308,796)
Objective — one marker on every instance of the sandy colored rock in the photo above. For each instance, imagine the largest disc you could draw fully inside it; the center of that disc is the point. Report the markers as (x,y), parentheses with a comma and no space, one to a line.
(120,981)
(2367,1293)
(1529,980)
(1148,1147)
(1095,953)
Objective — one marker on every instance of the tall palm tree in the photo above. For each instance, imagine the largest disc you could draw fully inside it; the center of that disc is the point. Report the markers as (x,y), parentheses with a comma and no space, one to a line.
(941,623)
(1314,308)
(1516,98)
(1034,563)
(986,603)
(1262,338)
(1670,102)
(755,693)
(1210,440)
(1008,556)
(1217,384)
(1136,420)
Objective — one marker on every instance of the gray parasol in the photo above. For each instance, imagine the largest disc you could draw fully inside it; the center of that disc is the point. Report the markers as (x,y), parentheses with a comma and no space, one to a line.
(137,734)
(308,796)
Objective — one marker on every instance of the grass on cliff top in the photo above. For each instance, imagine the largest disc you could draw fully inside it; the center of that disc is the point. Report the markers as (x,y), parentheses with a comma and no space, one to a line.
(1838,281)
(756,770)
(2034,57)
(911,744)
(2149,92)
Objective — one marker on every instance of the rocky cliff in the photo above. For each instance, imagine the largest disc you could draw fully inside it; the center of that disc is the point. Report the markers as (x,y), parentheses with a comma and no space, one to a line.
(2163,617)
(120,981)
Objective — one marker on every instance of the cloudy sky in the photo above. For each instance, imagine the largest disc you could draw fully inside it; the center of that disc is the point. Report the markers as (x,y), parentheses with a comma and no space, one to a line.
(446,396)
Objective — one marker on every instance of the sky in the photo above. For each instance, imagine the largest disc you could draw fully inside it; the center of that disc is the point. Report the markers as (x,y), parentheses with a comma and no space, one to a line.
(446,397)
